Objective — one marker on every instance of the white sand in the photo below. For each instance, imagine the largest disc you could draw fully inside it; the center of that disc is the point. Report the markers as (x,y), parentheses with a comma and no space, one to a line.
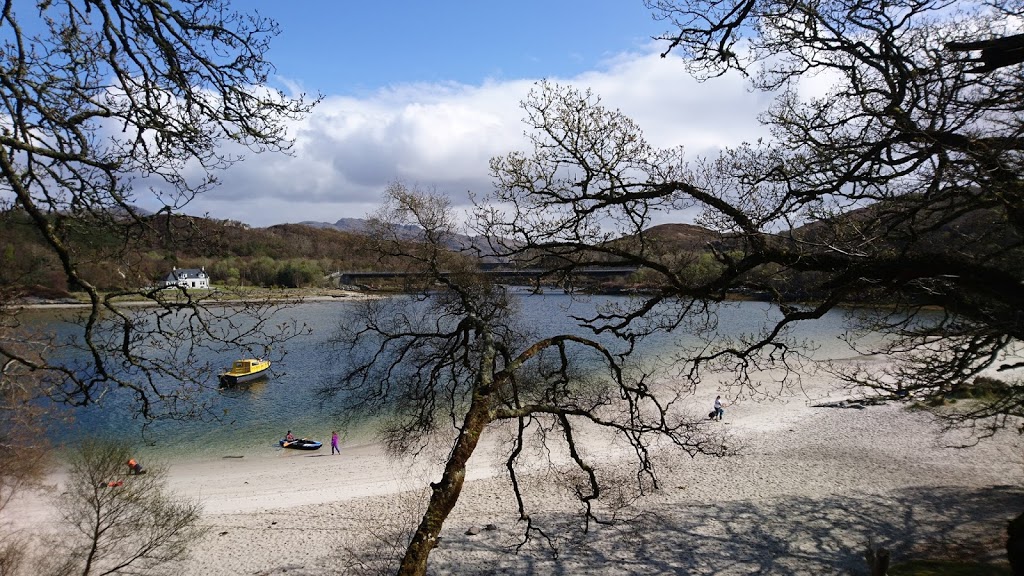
(808,490)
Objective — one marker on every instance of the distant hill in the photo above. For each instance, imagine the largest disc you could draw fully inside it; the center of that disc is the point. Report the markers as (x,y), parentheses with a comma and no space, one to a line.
(288,255)
(979,233)
(677,236)
(360,226)
(407,232)
(300,255)
(683,236)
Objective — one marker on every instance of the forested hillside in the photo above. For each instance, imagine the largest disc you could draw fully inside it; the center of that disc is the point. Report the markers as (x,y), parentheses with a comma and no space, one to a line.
(302,255)
(288,255)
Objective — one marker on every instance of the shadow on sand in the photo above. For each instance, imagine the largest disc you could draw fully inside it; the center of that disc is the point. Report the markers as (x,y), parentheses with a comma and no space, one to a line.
(787,536)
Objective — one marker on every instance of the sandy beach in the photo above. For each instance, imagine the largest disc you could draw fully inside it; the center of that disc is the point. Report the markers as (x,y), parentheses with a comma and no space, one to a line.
(808,489)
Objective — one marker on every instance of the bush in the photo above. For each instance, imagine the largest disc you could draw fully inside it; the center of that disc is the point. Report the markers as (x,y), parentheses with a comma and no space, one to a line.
(119,522)
(982,387)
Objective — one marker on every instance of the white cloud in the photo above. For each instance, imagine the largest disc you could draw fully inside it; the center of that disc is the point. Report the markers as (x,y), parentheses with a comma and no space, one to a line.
(442,137)
(674,109)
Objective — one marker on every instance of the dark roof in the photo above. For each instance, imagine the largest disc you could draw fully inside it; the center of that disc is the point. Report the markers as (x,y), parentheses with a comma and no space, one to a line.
(183,273)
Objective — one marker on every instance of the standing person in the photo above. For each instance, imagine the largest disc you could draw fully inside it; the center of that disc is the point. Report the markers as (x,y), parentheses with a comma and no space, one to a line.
(334,443)
(719,412)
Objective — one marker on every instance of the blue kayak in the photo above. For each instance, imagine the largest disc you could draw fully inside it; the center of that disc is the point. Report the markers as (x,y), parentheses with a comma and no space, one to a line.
(301,444)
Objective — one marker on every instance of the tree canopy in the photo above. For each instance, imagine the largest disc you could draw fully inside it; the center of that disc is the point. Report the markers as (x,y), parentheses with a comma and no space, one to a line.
(899,186)
(107,103)
(454,359)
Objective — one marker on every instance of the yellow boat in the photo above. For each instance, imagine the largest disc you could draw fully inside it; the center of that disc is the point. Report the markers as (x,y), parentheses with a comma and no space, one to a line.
(245,370)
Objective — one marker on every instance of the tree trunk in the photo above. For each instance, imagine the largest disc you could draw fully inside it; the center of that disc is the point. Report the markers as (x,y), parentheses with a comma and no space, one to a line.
(446,492)
(878,560)
(1015,545)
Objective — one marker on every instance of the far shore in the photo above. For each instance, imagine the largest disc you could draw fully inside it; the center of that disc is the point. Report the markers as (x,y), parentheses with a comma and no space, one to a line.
(231,296)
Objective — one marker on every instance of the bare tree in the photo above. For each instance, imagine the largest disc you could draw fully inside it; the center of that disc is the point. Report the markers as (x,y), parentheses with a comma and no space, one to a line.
(107,105)
(23,459)
(109,102)
(115,524)
(586,196)
(900,188)
(24,446)
(452,359)
(23,443)
(993,53)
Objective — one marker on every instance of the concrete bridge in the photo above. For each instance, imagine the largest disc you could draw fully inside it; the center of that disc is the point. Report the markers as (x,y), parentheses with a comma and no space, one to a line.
(498,270)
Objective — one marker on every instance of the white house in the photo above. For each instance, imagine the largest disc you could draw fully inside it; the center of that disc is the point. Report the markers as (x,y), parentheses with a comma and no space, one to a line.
(188,278)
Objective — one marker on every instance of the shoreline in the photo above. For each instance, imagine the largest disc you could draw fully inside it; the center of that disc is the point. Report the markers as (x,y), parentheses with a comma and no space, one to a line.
(809,487)
(266,295)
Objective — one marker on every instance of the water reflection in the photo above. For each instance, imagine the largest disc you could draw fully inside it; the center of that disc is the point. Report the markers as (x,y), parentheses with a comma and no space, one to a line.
(253,387)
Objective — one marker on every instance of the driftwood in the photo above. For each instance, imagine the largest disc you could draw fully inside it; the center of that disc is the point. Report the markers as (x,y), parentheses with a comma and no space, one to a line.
(858,403)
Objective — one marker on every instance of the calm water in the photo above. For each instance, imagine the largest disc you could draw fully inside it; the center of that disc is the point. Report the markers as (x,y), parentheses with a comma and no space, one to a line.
(255,416)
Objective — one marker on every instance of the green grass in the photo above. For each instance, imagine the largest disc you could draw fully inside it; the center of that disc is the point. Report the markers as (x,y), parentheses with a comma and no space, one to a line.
(948,568)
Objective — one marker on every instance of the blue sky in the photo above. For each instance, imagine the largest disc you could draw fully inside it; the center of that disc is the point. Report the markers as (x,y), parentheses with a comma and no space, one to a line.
(348,47)
(427,92)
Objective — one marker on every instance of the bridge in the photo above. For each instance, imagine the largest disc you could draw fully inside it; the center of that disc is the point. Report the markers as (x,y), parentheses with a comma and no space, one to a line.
(489,269)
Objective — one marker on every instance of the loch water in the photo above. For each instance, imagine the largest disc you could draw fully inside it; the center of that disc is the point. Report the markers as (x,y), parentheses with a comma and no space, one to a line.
(252,417)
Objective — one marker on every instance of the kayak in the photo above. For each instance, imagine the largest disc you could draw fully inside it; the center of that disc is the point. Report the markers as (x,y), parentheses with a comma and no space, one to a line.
(301,444)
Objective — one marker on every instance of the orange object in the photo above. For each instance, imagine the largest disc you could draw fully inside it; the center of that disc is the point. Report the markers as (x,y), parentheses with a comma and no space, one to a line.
(135,467)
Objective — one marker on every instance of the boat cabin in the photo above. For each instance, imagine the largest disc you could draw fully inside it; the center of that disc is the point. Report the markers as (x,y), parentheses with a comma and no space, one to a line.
(245,366)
